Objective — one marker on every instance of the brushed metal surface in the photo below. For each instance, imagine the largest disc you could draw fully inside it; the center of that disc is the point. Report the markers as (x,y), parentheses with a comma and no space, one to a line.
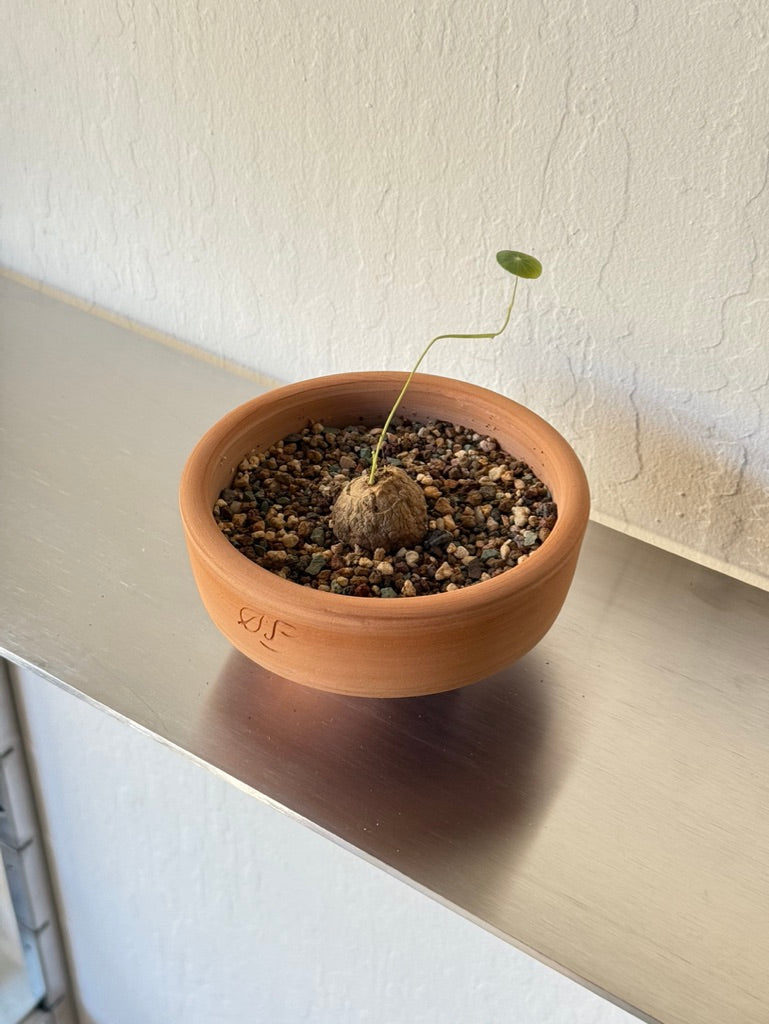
(604,803)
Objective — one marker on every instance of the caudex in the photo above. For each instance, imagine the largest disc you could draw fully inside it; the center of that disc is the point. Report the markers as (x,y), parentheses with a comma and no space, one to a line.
(386,508)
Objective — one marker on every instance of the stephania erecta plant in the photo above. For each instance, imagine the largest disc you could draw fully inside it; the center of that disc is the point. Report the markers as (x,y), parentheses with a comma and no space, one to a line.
(386,508)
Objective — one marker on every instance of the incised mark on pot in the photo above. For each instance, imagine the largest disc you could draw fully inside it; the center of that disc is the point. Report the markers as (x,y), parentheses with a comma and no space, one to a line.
(268,628)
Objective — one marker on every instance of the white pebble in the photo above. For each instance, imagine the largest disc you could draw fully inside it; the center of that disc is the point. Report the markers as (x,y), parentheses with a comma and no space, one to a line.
(444,572)
(408,589)
(412,559)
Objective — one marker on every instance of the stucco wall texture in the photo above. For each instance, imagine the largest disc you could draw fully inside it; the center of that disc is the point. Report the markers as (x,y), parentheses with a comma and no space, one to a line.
(312,188)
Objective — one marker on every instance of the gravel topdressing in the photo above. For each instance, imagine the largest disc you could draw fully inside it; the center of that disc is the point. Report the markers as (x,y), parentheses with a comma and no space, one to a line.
(487,510)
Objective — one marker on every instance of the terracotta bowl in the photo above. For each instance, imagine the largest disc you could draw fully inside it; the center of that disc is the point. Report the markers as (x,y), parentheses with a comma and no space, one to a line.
(369,646)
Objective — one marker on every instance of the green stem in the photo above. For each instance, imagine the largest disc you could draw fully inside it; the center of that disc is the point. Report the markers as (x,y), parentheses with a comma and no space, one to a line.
(439,337)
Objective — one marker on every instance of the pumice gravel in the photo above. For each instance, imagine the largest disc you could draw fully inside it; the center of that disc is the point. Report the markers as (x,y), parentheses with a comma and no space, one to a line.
(487,511)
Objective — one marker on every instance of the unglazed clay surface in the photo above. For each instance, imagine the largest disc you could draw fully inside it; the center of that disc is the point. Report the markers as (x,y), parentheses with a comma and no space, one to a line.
(369,646)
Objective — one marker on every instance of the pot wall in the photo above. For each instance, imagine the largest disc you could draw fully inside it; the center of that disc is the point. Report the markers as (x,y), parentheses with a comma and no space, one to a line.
(370,646)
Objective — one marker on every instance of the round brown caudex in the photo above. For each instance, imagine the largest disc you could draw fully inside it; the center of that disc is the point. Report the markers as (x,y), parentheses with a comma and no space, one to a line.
(390,513)
(370,646)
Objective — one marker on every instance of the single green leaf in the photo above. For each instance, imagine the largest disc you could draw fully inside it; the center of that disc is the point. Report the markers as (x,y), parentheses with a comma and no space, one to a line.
(519,263)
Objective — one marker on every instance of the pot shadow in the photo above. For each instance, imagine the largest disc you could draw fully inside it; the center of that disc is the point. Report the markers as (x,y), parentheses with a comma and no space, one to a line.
(432,786)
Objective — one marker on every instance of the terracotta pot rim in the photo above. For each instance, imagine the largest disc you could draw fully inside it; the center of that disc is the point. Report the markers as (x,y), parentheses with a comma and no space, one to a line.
(219,555)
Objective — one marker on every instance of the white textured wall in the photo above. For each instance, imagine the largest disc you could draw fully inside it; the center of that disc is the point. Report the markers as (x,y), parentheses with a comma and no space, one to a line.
(317,187)
(188,901)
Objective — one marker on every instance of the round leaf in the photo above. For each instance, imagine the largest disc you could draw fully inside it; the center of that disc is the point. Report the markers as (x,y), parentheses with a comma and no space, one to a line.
(519,263)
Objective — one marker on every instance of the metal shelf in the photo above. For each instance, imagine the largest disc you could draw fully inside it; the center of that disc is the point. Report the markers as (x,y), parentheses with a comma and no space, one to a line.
(601,804)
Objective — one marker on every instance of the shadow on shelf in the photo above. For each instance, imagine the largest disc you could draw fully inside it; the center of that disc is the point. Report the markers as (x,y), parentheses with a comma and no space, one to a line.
(428,785)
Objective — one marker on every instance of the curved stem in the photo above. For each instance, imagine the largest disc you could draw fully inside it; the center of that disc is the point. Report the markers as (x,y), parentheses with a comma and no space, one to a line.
(439,337)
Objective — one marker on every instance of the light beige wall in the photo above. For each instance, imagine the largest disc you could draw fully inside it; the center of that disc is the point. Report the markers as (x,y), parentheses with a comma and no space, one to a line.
(309,188)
